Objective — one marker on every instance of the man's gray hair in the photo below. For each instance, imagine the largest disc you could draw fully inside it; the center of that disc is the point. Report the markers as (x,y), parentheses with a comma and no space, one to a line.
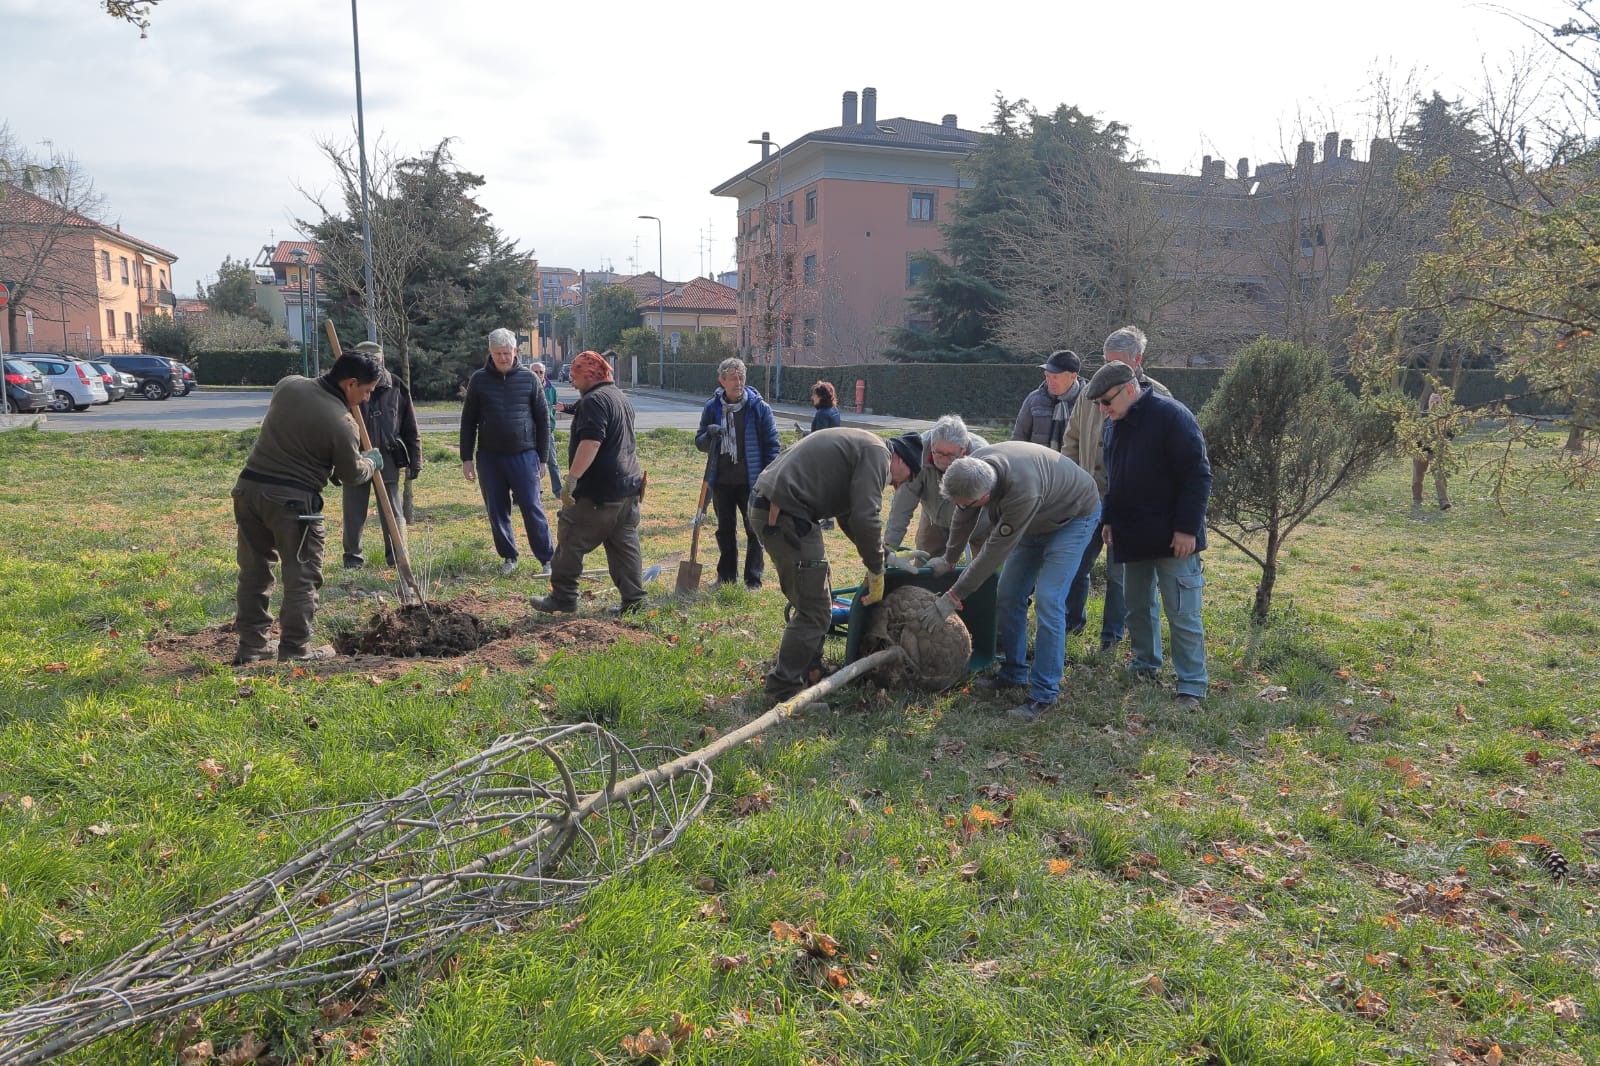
(730,364)
(1129,341)
(967,479)
(950,430)
(502,338)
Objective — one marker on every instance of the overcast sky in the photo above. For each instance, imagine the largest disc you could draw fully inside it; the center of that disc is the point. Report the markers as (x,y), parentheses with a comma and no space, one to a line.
(582,116)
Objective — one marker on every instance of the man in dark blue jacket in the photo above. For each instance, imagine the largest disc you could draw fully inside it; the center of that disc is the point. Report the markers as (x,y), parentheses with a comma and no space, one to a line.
(504,426)
(1158,481)
(738,433)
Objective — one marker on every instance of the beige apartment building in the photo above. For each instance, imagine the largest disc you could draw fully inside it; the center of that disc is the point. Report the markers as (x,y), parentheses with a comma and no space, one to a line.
(83,285)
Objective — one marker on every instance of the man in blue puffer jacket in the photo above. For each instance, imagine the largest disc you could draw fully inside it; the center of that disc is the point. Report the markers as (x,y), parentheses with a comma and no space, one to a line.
(738,433)
(504,427)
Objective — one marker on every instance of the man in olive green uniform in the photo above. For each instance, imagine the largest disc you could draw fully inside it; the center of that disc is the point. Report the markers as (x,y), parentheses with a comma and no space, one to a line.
(307,435)
(832,473)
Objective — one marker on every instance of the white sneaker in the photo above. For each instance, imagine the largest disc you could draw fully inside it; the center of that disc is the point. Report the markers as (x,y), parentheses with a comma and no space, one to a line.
(508,566)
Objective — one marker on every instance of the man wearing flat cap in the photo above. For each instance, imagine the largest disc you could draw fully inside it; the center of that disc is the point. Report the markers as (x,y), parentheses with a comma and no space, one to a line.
(392,427)
(1158,481)
(832,473)
(1043,416)
(1083,445)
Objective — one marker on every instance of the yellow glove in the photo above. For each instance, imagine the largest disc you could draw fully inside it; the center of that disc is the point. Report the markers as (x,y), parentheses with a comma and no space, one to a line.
(874,585)
(567,499)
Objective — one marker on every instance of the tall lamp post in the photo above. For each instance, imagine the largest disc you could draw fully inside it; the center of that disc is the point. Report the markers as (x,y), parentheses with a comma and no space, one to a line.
(299,256)
(61,294)
(316,355)
(661,308)
(777,338)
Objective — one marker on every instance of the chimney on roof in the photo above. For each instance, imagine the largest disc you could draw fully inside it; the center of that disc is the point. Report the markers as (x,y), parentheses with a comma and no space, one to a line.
(1306,154)
(1214,169)
(1346,147)
(949,122)
(869,106)
(766,148)
(1330,147)
(1205,165)
(1244,168)
(849,117)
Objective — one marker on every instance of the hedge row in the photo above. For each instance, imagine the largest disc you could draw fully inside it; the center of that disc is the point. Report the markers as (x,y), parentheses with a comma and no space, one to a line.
(261,367)
(993,392)
(980,392)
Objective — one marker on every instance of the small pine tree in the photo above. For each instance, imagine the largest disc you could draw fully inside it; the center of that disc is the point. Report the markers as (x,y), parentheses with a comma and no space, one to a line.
(1284,436)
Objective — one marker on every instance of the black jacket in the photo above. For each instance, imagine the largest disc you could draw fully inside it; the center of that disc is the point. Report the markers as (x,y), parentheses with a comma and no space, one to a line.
(1158,479)
(392,422)
(504,413)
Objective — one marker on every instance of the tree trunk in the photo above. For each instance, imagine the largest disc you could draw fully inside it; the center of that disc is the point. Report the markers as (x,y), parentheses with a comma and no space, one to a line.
(1269,577)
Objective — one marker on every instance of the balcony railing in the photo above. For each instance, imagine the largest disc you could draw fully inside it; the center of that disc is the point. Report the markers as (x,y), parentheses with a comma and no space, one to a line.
(151,296)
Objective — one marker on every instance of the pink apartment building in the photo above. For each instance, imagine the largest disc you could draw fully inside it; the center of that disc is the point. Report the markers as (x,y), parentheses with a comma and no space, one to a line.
(853,203)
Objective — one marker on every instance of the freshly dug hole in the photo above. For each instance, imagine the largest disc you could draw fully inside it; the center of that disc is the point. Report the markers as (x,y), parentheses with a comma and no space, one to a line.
(433,631)
(933,661)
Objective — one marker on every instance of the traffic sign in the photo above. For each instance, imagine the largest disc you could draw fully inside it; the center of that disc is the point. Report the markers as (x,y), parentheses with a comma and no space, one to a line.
(5,293)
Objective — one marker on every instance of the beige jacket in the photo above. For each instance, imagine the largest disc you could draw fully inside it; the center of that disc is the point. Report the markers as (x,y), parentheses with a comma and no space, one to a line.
(922,489)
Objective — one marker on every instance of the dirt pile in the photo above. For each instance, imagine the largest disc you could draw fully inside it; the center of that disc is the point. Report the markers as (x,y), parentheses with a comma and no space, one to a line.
(427,630)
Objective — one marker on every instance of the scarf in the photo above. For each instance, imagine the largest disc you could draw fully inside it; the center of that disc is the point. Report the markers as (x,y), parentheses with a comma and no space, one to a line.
(730,427)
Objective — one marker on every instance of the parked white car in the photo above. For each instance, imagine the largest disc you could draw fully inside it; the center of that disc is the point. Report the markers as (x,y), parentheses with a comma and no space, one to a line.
(73,384)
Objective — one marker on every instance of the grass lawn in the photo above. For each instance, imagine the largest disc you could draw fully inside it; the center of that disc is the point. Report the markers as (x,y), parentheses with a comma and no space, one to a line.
(1337,861)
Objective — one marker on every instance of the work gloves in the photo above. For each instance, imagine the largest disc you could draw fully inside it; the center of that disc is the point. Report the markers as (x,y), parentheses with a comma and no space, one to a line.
(567,499)
(938,565)
(933,615)
(375,457)
(908,563)
(874,588)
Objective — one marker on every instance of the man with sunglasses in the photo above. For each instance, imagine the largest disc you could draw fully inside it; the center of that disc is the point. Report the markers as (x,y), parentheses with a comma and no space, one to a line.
(1158,481)
(1084,445)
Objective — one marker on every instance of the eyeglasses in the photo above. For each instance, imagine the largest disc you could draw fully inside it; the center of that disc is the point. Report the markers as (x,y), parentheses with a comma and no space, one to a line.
(946,453)
(1106,402)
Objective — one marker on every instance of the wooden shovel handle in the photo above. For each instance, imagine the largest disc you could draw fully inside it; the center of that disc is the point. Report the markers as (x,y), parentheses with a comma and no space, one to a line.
(699,519)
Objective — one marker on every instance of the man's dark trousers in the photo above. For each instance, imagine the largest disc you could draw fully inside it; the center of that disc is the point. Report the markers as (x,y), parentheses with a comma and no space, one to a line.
(271,530)
(355,514)
(588,525)
(801,559)
(514,479)
(732,506)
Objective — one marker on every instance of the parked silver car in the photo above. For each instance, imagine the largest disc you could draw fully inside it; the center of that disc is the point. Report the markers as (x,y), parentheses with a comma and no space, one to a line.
(73,384)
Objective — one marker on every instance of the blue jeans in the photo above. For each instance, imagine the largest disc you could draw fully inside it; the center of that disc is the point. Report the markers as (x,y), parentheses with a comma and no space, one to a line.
(508,479)
(1113,617)
(1180,582)
(1041,565)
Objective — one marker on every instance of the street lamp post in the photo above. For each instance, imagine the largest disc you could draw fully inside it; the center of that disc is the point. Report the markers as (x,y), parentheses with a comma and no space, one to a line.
(61,294)
(316,357)
(661,308)
(299,256)
(777,339)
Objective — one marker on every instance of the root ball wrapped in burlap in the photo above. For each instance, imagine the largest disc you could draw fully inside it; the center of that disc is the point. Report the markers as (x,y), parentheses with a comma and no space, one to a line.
(933,660)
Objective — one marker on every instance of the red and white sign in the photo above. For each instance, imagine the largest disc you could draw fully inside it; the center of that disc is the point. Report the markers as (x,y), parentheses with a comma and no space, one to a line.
(5,294)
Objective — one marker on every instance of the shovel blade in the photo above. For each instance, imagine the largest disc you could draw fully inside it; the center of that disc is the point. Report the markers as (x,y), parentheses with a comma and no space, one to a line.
(689,577)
